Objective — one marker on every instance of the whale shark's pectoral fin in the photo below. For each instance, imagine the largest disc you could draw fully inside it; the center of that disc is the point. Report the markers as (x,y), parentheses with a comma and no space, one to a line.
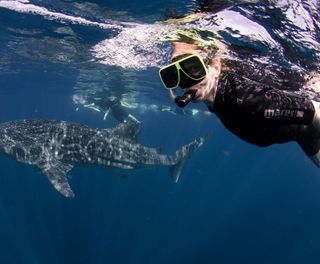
(57,175)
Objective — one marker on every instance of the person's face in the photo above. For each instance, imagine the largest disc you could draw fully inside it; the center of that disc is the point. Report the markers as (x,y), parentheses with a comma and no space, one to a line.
(184,71)
(206,89)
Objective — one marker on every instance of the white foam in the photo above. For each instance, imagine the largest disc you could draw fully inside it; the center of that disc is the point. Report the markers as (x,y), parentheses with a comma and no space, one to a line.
(135,47)
(24,6)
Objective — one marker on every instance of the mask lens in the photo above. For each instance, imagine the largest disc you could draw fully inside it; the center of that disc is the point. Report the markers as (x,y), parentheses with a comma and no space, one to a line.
(169,76)
(187,82)
(194,67)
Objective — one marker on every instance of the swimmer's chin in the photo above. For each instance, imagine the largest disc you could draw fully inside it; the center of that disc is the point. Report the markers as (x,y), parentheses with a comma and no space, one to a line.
(197,92)
(197,96)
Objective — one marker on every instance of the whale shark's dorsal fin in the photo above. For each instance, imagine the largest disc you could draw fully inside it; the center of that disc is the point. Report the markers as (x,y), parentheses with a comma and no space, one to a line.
(127,130)
(56,172)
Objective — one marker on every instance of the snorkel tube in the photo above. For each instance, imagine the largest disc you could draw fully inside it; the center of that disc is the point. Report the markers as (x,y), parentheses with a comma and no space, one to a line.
(181,100)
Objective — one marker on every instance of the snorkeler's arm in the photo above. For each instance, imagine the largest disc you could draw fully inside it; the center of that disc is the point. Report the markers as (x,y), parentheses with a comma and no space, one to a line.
(273,105)
(241,98)
(106,114)
(93,107)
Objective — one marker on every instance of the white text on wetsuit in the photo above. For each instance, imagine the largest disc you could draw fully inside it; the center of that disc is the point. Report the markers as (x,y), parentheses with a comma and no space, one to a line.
(283,113)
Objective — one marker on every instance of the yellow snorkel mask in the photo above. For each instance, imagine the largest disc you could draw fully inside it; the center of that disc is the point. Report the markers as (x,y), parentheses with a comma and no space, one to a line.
(184,72)
(187,71)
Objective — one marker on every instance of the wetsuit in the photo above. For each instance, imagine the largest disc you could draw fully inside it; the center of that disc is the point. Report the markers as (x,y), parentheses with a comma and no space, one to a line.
(263,115)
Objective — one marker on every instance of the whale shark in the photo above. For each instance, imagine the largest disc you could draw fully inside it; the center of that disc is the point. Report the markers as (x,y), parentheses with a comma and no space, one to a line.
(55,147)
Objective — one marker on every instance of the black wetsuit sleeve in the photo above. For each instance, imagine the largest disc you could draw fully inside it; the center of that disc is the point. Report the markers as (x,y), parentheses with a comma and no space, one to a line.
(263,103)
(260,114)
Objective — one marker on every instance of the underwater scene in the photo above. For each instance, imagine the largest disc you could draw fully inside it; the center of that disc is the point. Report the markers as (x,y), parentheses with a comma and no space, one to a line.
(100,163)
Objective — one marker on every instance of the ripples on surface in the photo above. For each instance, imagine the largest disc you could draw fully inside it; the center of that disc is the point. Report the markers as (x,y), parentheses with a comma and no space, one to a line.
(115,53)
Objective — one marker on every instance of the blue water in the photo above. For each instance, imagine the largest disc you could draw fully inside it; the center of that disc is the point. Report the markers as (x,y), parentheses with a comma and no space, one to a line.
(234,203)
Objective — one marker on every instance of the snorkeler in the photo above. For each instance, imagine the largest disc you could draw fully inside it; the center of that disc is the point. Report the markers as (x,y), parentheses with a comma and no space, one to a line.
(119,108)
(248,103)
(106,106)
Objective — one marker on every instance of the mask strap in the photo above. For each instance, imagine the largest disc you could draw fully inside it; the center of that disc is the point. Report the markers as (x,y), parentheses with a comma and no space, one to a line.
(172,94)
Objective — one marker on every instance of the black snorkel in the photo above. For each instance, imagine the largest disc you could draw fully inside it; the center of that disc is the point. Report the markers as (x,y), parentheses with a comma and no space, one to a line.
(181,100)
(184,99)
(187,96)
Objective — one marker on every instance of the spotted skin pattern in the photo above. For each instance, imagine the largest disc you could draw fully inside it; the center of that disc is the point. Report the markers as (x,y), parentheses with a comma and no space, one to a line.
(56,146)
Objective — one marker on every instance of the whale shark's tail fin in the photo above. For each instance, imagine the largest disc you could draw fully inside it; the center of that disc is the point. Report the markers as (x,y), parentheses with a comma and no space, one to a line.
(182,155)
